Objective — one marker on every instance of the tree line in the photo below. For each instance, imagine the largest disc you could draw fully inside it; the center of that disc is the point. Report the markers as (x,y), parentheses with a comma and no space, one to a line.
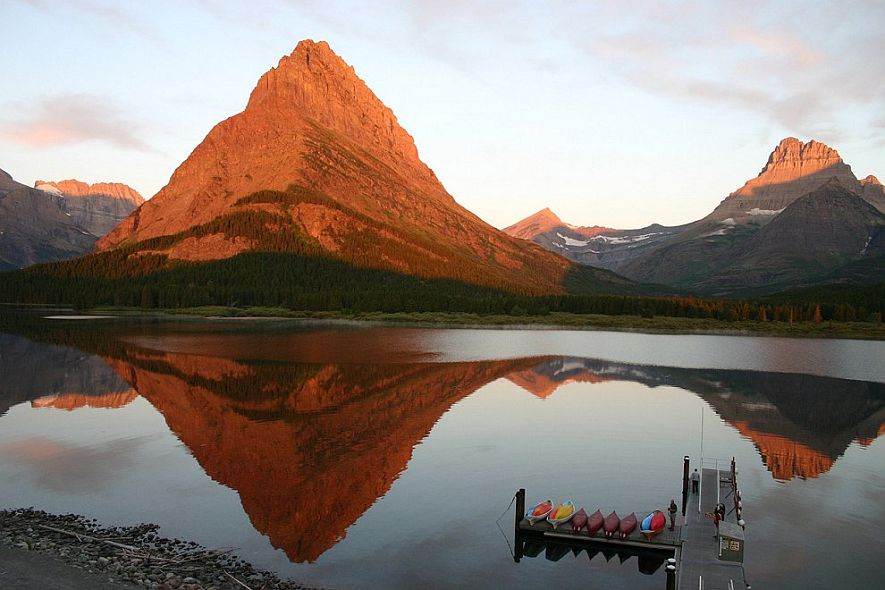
(318,283)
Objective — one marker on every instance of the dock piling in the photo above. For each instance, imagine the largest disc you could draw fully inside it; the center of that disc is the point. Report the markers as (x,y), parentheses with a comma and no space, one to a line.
(517,518)
(671,574)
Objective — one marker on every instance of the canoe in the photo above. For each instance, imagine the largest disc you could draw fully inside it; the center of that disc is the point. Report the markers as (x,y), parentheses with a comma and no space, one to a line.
(627,525)
(562,513)
(539,511)
(653,524)
(579,520)
(594,522)
(611,523)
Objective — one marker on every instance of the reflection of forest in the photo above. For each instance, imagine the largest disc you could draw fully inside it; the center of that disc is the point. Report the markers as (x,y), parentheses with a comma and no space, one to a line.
(800,423)
(309,447)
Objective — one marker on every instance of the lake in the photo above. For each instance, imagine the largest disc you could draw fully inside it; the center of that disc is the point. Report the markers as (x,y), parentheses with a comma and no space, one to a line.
(351,456)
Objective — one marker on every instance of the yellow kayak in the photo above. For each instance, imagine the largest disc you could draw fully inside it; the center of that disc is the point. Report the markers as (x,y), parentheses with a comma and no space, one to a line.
(561,513)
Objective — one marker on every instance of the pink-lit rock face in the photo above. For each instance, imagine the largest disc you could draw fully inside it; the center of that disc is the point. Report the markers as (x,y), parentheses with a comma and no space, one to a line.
(96,208)
(313,123)
(75,188)
(545,221)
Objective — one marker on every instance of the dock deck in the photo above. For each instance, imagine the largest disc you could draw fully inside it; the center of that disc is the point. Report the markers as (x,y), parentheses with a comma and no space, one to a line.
(699,565)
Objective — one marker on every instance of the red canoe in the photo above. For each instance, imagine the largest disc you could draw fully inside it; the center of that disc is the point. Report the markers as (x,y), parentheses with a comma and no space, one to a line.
(653,524)
(627,525)
(594,522)
(579,520)
(610,526)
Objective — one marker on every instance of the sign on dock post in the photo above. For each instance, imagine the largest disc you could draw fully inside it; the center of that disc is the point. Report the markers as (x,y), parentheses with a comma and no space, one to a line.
(731,542)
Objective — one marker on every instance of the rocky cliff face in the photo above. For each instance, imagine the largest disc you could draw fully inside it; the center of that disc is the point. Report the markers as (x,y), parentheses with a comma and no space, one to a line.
(317,154)
(793,169)
(97,208)
(36,227)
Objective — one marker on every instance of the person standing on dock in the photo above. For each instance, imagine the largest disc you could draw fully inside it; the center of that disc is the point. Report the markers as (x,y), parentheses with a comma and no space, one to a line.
(695,482)
(672,510)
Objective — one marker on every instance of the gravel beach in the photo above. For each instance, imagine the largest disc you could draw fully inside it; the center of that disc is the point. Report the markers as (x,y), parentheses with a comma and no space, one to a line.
(42,550)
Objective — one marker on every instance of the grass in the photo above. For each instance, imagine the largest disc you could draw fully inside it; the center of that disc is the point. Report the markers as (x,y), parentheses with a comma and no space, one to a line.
(660,324)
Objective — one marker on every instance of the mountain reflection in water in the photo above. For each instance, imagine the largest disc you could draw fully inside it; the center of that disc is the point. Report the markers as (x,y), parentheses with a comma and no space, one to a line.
(310,447)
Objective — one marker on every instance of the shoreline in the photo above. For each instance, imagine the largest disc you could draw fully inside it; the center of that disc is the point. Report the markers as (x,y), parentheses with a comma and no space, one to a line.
(873,331)
(552,321)
(123,557)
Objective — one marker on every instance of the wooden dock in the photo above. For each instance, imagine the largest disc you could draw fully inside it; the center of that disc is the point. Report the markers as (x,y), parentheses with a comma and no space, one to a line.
(667,541)
(698,558)
(700,567)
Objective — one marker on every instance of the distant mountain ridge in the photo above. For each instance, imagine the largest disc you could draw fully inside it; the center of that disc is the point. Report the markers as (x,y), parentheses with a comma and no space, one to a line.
(97,208)
(730,250)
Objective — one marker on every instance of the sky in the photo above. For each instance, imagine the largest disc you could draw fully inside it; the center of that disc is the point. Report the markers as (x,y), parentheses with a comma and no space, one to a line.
(612,113)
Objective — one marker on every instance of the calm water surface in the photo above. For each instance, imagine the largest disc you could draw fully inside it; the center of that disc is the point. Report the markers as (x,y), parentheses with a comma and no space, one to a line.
(382,457)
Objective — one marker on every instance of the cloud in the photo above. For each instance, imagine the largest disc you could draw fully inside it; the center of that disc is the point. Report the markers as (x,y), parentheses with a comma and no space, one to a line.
(67,467)
(109,12)
(799,64)
(72,118)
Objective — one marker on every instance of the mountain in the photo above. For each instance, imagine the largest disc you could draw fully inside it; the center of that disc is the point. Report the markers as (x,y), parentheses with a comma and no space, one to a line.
(97,208)
(317,165)
(57,221)
(36,227)
(823,230)
(824,222)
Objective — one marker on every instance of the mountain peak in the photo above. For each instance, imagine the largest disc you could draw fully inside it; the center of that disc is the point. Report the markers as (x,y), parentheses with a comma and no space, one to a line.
(536,223)
(870,180)
(791,150)
(314,82)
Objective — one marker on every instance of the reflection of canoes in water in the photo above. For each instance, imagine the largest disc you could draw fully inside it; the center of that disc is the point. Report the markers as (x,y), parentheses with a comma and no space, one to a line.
(610,526)
(579,520)
(594,522)
(653,524)
(561,514)
(608,554)
(624,556)
(539,511)
(591,553)
(627,525)
(556,551)
(533,548)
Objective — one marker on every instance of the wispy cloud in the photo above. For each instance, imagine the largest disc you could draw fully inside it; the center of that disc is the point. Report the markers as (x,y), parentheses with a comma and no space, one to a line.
(72,118)
(797,63)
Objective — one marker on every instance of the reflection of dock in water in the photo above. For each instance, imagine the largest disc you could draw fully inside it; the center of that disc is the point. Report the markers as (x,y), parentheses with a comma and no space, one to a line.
(695,556)
(553,549)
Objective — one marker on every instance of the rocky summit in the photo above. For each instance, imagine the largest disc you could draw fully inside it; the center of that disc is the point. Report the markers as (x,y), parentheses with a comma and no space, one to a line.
(316,164)
(97,208)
